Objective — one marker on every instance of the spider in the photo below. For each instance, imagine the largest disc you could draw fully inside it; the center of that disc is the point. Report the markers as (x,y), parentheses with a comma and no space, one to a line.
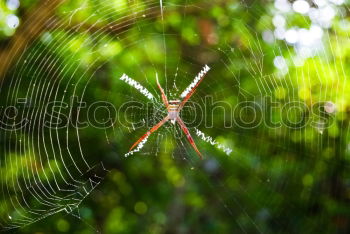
(174,107)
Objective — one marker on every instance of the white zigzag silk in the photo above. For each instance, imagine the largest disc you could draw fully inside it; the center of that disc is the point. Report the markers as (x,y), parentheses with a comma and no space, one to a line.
(200,75)
(213,142)
(136,85)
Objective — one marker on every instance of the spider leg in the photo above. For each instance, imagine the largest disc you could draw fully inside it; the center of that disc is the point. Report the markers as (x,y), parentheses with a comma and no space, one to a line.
(153,129)
(164,98)
(189,137)
(188,96)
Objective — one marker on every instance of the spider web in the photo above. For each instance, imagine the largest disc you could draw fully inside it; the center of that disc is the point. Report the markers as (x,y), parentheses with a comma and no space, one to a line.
(49,170)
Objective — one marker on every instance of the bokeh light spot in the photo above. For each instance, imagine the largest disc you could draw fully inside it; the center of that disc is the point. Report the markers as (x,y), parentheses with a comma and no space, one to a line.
(140,208)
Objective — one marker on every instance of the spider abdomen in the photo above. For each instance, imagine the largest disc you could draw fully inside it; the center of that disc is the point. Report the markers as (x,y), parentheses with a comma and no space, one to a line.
(173,109)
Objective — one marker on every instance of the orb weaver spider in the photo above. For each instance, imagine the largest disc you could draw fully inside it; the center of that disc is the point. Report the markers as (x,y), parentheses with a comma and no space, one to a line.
(174,107)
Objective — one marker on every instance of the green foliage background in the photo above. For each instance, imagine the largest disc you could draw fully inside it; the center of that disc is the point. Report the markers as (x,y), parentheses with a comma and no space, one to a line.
(276,180)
